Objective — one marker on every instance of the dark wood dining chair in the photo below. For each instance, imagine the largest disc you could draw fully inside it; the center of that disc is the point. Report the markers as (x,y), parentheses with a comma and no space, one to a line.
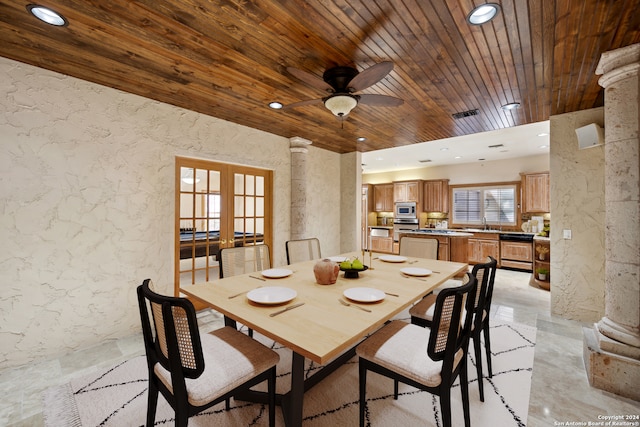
(429,359)
(422,315)
(303,250)
(185,366)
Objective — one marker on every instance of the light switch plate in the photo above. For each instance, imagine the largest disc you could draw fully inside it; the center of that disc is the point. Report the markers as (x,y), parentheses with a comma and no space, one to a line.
(566,234)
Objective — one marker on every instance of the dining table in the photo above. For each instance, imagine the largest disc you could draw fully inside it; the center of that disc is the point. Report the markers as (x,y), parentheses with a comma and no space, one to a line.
(323,323)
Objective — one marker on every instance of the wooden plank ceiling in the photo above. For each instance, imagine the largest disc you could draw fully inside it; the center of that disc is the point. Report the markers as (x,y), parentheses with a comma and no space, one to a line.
(228,59)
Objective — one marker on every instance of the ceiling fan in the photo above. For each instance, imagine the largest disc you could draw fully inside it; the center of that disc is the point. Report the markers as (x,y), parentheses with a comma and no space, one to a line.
(341,83)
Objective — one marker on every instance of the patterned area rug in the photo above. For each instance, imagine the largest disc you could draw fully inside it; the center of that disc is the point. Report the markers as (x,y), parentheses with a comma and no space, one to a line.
(117,396)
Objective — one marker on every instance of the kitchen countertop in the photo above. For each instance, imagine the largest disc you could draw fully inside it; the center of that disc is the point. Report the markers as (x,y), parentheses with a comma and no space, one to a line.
(438,232)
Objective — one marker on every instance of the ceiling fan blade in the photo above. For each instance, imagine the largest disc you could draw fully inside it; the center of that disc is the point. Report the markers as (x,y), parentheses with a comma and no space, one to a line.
(370,76)
(310,79)
(303,103)
(379,100)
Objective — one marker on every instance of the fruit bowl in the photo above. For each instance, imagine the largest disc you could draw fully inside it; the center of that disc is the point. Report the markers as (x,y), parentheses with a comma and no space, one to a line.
(350,273)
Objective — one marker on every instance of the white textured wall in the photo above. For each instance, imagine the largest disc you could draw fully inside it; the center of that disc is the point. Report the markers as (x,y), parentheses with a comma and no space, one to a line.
(86,178)
(577,204)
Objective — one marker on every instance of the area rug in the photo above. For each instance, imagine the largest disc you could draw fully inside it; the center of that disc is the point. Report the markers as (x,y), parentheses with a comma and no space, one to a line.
(117,396)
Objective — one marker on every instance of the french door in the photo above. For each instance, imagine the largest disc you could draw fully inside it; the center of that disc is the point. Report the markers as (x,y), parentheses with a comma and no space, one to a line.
(218,205)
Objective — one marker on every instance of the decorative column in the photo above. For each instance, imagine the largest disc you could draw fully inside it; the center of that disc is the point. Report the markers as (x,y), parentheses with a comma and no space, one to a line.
(298,147)
(612,348)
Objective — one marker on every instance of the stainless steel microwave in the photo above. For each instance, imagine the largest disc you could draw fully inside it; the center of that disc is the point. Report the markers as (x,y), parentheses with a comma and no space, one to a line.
(406,210)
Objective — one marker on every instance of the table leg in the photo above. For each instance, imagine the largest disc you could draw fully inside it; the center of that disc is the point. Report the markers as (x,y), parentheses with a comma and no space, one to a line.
(292,404)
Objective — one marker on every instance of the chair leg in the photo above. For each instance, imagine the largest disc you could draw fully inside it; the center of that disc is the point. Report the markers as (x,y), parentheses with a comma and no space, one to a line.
(487,346)
(271,388)
(395,389)
(363,390)
(445,407)
(152,402)
(478,355)
(464,390)
(182,419)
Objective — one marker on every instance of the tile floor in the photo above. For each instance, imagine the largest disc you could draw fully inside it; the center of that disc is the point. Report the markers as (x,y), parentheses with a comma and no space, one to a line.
(560,392)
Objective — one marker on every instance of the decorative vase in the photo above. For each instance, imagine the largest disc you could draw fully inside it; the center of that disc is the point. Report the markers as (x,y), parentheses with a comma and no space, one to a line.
(542,276)
(326,272)
(541,257)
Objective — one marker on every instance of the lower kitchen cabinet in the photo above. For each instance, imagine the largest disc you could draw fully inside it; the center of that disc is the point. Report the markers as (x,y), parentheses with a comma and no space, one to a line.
(482,245)
(382,244)
(542,262)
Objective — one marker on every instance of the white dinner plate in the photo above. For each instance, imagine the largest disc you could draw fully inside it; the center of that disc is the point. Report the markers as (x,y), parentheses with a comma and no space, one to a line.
(271,295)
(364,294)
(414,271)
(393,258)
(337,258)
(277,273)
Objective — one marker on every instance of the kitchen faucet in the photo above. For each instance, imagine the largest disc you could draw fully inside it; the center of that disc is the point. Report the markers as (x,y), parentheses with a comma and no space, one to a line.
(484,222)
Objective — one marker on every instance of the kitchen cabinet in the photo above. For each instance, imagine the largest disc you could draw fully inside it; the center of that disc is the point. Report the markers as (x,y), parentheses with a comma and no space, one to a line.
(435,195)
(382,244)
(541,262)
(535,192)
(383,197)
(482,245)
(516,255)
(408,191)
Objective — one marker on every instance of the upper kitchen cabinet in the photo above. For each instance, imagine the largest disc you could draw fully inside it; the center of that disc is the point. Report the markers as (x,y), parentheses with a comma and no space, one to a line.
(436,195)
(535,192)
(383,197)
(407,191)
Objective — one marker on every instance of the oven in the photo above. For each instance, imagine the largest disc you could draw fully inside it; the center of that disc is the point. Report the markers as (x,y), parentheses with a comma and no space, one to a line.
(401,225)
(406,210)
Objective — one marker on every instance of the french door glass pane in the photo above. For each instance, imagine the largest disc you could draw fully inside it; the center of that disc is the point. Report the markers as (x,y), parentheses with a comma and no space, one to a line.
(250,187)
(259,186)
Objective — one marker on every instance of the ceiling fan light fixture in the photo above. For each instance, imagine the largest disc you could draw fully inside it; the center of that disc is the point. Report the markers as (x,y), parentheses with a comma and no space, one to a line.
(483,13)
(511,106)
(47,15)
(341,105)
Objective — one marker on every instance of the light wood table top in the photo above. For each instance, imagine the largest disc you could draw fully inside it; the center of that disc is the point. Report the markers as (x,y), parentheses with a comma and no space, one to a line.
(322,328)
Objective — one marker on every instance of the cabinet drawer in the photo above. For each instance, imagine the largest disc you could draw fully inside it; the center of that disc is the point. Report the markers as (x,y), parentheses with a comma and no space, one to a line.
(516,251)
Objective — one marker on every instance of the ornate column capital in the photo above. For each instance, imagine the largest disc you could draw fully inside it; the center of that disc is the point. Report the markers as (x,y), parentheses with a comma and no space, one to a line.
(299,145)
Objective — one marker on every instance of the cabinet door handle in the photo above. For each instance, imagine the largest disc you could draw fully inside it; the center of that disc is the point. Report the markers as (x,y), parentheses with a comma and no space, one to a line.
(223,241)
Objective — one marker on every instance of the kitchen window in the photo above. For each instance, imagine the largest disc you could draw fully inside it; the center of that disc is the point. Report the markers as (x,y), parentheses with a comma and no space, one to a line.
(485,205)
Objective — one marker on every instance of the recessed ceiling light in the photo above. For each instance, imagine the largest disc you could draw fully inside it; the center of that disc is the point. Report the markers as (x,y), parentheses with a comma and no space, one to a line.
(543,146)
(275,105)
(379,158)
(457,157)
(444,149)
(543,134)
(47,15)
(361,139)
(511,106)
(483,14)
